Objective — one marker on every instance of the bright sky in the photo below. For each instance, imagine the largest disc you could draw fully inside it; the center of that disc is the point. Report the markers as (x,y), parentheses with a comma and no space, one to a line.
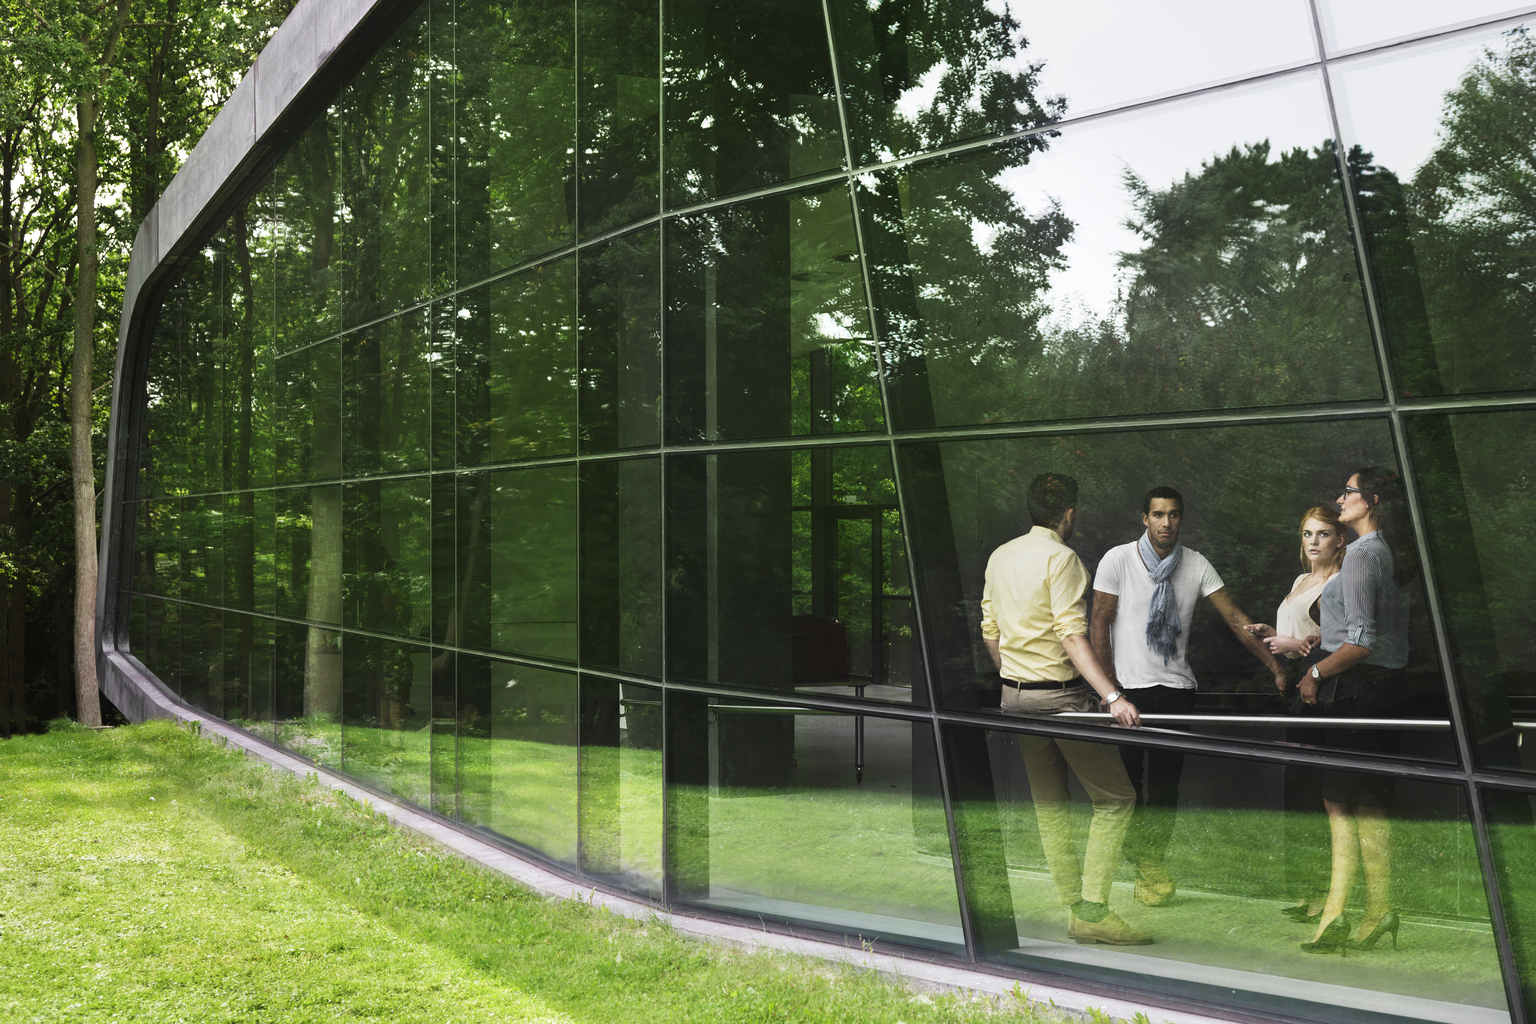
(1390,105)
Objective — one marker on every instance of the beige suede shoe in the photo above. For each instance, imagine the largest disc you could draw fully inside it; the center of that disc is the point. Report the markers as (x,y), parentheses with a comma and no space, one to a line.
(1153,885)
(1111,931)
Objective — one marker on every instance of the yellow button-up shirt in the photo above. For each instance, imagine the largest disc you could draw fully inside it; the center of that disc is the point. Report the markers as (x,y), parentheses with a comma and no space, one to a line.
(1034,599)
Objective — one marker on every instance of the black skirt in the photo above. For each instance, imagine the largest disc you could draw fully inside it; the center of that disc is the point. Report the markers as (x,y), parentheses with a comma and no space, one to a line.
(1365,691)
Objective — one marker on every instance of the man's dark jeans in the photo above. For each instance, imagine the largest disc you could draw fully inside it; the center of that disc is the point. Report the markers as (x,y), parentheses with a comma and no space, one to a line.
(1155,774)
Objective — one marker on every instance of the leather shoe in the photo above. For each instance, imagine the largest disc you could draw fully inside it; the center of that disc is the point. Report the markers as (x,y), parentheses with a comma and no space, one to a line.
(1112,931)
(1153,885)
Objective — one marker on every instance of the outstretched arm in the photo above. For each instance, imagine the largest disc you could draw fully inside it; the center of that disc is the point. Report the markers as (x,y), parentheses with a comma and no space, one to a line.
(1081,653)
(1238,623)
(1105,607)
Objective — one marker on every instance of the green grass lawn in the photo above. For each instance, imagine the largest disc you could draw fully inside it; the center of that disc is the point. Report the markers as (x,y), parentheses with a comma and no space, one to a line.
(146,875)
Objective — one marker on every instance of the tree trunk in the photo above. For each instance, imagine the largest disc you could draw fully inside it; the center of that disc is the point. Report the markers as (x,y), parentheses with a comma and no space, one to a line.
(82,466)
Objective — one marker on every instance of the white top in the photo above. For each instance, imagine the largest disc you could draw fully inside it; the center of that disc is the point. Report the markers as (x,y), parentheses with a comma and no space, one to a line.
(1123,574)
(1294,615)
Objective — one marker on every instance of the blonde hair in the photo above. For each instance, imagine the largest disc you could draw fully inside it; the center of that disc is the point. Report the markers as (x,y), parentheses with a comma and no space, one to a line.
(1322,514)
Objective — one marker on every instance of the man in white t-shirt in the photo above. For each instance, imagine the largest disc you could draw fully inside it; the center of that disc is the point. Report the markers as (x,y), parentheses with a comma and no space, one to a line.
(1144,598)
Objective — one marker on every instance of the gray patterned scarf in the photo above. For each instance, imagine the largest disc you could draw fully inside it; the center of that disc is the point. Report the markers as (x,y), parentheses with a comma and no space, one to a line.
(1163,612)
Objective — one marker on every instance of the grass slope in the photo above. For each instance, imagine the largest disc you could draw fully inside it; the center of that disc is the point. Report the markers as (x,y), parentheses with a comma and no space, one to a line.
(147,876)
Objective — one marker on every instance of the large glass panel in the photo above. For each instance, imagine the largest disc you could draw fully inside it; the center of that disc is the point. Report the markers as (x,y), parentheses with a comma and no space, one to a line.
(1195,256)
(517,562)
(515,366)
(515,167)
(307,691)
(158,565)
(770,815)
(387,412)
(386,708)
(619,343)
(517,754)
(750,98)
(621,783)
(1441,157)
(1511,831)
(1203,893)
(248,673)
(786,571)
(1351,23)
(384,165)
(162,646)
(620,566)
(1243,493)
(919,75)
(204,358)
(164,438)
(202,549)
(309,553)
(308,429)
(617,126)
(767,324)
(1474,473)
(386,557)
(202,658)
(307,236)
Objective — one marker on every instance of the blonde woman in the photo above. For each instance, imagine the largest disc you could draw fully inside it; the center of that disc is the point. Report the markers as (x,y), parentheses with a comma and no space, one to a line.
(1294,637)
(1295,632)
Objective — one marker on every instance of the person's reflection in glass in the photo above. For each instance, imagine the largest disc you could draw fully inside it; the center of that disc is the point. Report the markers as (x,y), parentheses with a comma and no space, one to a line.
(1034,623)
(1294,637)
(1364,630)
(1143,602)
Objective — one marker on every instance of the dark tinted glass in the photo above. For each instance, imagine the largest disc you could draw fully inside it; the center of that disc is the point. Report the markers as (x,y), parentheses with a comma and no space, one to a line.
(620,565)
(619,343)
(767,323)
(516,158)
(386,561)
(248,673)
(785,571)
(517,561)
(1435,136)
(1220,857)
(308,429)
(202,549)
(387,701)
(1511,830)
(383,117)
(968,498)
(387,410)
(309,553)
(621,783)
(307,235)
(918,75)
(164,440)
(1481,518)
(1110,269)
(749,96)
(619,97)
(515,366)
(517,754)
(767,816)
(307,692)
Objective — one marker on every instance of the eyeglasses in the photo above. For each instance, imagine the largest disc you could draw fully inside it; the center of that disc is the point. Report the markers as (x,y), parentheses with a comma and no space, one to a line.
(1352,490)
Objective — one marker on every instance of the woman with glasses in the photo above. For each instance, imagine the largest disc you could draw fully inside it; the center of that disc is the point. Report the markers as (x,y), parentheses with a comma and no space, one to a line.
(1363,625)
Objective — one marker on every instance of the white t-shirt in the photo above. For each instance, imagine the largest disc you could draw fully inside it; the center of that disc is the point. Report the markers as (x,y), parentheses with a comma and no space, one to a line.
(1123,574)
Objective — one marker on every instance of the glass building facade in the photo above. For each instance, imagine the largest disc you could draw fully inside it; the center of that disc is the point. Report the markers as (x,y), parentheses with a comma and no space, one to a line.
(593,422)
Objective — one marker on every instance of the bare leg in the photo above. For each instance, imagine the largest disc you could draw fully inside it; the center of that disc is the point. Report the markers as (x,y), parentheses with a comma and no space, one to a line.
(1375,831)
(1346,861)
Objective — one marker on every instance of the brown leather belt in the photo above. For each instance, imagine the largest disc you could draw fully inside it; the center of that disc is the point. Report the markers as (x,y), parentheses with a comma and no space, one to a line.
(1047,685)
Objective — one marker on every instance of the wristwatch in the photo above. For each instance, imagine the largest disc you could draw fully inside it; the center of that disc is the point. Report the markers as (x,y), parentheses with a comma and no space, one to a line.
(1316,675)
(1114,697)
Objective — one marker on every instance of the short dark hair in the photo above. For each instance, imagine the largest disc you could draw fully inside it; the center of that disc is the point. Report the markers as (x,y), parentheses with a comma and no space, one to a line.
(1161,492)
(1051,495)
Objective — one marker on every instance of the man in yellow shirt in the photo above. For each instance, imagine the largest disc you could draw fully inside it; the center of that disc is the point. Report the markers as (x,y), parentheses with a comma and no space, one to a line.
(1035,625)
